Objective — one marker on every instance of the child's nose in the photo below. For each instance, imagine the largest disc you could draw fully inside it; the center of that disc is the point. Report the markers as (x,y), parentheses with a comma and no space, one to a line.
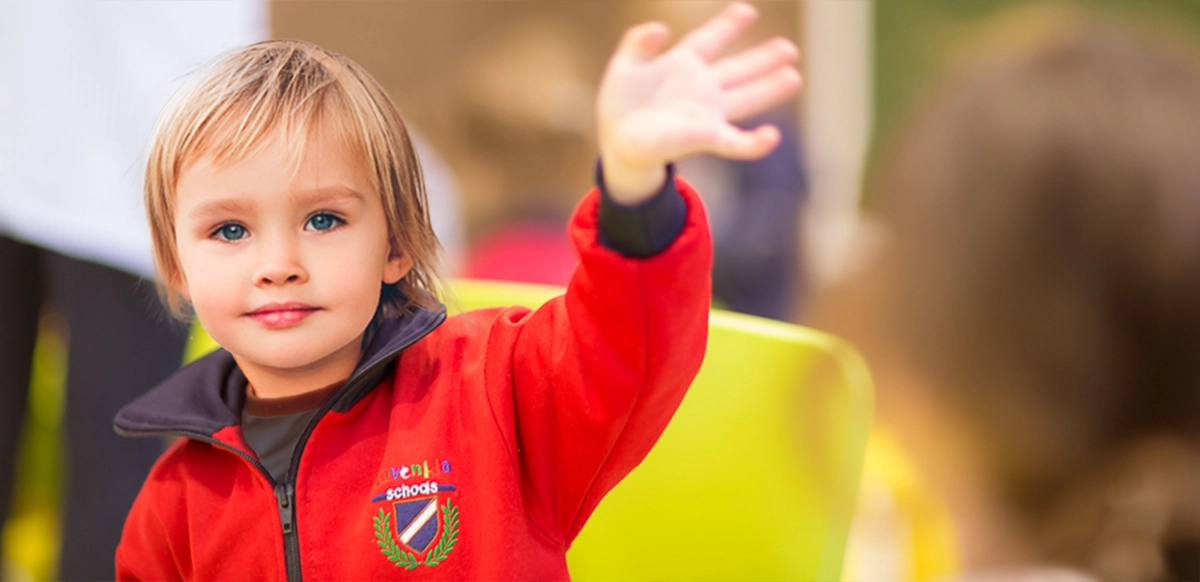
(280,264)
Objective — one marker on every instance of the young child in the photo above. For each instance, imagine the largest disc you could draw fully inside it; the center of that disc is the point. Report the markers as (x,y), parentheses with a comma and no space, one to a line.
(349,430)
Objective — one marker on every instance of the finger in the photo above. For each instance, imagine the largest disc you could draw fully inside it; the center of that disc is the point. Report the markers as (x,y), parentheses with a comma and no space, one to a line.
(710,38)
(739,144)
(756,61)
(761,94)
(644,41)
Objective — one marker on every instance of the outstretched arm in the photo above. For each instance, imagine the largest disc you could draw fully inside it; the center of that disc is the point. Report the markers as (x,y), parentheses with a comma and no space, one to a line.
(658,106)
(587,383)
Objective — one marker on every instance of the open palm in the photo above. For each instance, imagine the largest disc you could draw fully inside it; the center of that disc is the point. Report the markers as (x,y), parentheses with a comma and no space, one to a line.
(656,106)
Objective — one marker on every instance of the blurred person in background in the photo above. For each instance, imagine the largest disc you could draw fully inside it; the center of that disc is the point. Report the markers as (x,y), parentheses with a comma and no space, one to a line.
(757,267)
(1031,315)
(526,99)
(83,84)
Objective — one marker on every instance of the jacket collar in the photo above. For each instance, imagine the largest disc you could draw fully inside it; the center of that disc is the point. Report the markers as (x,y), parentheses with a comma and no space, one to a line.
(208,394)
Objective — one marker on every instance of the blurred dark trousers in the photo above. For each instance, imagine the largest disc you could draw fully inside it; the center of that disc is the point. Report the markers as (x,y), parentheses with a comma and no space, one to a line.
(121,344)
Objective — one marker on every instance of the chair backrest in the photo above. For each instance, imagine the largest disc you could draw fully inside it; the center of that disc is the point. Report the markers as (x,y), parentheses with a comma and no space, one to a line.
(757,475)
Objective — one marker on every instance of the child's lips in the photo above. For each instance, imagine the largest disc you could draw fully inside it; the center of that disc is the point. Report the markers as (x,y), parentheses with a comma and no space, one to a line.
(276,315)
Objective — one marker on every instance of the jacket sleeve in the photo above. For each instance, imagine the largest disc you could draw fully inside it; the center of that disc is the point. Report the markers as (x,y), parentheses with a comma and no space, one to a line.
(591,379)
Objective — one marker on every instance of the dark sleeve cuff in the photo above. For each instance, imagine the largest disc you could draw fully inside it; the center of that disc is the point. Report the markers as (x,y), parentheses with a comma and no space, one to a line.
(646,229)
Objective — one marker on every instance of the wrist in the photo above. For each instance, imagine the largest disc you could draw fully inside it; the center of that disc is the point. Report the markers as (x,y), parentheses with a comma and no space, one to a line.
(645,229)
(630,184)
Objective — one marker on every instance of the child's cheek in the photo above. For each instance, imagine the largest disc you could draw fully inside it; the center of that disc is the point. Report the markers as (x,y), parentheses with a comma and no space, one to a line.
(215,297)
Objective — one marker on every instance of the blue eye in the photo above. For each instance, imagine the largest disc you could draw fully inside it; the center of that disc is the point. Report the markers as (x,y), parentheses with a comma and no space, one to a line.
(230,232)
(323,221)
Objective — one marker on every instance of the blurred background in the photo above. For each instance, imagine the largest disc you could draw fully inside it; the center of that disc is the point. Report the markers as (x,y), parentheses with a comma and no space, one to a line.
(501,97)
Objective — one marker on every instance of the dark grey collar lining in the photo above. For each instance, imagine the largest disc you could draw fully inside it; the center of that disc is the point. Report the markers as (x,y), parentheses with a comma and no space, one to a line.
(208,394)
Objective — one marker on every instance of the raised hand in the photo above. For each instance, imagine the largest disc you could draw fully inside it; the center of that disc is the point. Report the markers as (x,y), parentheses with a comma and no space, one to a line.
(655,107)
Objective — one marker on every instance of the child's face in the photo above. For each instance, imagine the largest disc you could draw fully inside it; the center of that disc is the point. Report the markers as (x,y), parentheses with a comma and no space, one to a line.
(283,263)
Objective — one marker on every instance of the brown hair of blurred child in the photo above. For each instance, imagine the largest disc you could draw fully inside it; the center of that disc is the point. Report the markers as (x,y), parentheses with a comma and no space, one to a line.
(1043,278)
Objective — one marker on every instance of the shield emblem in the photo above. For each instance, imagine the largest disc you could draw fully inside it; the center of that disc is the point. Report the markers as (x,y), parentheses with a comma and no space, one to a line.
(417,522)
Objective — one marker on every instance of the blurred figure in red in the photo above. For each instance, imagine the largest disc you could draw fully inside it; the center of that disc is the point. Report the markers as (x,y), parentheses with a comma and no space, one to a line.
(527,100)
(1033,317)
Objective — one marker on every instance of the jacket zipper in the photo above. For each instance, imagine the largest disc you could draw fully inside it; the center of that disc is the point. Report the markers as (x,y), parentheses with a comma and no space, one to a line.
(285,494)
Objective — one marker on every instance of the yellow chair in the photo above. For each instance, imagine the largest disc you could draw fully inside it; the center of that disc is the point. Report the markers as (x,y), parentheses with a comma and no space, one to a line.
(902,530)
(757,475)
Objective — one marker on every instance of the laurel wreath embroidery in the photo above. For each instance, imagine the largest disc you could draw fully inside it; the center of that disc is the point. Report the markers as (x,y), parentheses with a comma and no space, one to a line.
(383,537)
(449,535)
(403,559)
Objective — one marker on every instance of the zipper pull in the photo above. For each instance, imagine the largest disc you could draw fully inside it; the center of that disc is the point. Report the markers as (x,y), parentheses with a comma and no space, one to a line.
(283,494)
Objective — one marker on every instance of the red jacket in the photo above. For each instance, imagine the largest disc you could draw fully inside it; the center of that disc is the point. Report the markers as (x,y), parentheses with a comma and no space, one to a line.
(474,448)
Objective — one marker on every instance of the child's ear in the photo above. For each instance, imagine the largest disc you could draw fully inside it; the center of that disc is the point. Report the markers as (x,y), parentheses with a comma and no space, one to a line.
(397,266)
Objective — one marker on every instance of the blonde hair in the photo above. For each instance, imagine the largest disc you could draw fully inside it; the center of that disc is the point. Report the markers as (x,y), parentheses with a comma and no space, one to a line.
(230,108)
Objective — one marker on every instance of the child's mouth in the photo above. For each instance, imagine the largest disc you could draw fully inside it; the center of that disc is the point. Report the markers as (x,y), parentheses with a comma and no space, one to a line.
(276,315)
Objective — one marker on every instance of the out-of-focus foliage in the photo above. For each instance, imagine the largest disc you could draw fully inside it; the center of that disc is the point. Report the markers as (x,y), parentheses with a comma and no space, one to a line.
(31,534)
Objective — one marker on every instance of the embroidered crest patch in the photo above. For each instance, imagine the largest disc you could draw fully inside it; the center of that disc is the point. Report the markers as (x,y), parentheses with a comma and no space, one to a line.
(418,525)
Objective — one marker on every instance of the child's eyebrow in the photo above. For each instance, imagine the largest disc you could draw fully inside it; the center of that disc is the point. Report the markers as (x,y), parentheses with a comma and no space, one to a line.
(327,195)
(214,208)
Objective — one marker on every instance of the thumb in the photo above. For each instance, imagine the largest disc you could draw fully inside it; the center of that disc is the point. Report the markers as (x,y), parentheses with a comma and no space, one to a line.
(737,144)
(644,41)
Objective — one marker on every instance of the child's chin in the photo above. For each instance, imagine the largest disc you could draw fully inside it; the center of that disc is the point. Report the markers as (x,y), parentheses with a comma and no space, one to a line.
(296,358)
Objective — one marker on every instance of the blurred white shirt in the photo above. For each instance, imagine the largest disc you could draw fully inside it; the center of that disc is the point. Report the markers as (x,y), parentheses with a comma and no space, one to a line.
(82,84)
